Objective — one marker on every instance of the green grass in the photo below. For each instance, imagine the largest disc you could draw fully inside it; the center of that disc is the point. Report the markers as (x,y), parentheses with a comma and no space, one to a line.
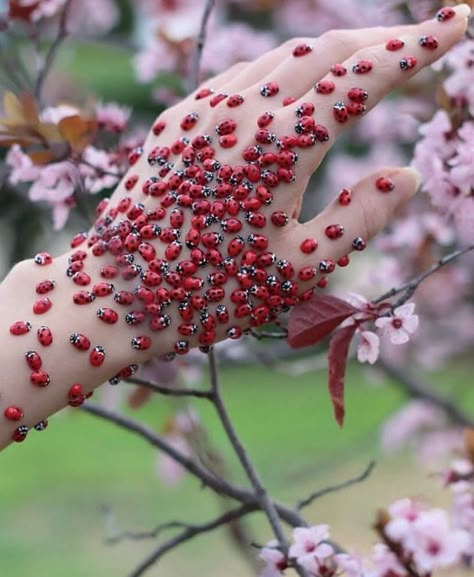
(52,487)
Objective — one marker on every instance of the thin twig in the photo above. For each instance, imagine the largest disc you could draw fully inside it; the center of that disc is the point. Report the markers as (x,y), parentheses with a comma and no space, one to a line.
(191,531)
(170,391)
(53,50)
(260,335)
(416,389)
(201,41)
(410,287)
(333,488)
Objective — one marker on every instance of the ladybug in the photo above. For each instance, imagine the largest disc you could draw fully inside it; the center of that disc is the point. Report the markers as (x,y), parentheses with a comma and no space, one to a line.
(279,218)
(187,329)
(266,259)
(74,267)
(128,371)
(306,140)
(239,296)
(20,328)
(20,434)
(131,271)
(242,310)
(289,287)
(445,13)
(345,197)
(126,201)
(226,126)
(264,136)
(131,181)
(115,245)
(131,242)
(269,89)
(307,273)
(207,338)
(305,109)
(99,248)
(134,155)
(78,239)
(97,356)
(265,119)
(124,297)
(151,278)
(394,44)
(215,100)
(356,108)
(13,413)
(179,145)
(181,347)
(252,153)
(256,219)
(270,178)
(173,250)
(217,279)
(159,323)
(305,125)
(141,343)
(408,62)
(81,278)
(75,395)
(189,121)
(285,175)
(235,246)
(41,426)
(144,294)
(152,309)
(80,342)
(203,93)
(150,231)
(334,231)
(135,211)
(357,94)
(44,335)
(215,294)
(198,257)
(324,87)
(173,279)
(42,306)
(343,261)
(39,379)
(258,241)
(222,314)
(338,70)
(107,315)
(285,268)
(384,184)
(33,360)
(202,141)
(228,141)
(134,318)
(302,50)
(288,100)
(83,297)
(259,291)
(340,112)
(287,158)
(322,283)
(359,243)
(362,67)
(231,225)
(103,289)
(235,100)
(198,302)
(309,245)
(185,311)
(43,259)
(234,333)
(430,42)
(102,206)
(158,127)
(326,266)
(212,239)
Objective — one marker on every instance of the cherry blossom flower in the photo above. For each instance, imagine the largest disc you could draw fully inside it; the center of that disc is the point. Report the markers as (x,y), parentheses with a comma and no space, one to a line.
(400,325)
(275,561)
(100,171)
(351,565)
(386,563)
(368,347)
(112,116)
(309,548)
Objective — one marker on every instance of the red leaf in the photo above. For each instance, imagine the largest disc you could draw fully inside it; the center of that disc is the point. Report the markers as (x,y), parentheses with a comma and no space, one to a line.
(337,357)
(314,319)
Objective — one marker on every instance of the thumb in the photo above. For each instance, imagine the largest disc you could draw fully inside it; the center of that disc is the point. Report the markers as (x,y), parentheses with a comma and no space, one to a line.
(355,216)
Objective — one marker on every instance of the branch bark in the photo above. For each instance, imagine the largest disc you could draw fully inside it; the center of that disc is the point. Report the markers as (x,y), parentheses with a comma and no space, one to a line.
(201,41)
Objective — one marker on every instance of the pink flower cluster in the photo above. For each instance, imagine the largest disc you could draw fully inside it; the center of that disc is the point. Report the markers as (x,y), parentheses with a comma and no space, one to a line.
(417,541)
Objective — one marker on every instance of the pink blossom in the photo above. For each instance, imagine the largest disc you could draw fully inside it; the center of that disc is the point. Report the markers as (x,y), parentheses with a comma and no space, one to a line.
(112,116)
(462,171)
(400,325)
(351,565)
(155,58)
(21,166)
(100,172)
(309,548)
(386,563)
(368,347)
(55,114)
(275,561)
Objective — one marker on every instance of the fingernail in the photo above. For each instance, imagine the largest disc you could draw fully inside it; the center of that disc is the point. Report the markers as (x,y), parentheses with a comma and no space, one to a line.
(409,170)
(463,10)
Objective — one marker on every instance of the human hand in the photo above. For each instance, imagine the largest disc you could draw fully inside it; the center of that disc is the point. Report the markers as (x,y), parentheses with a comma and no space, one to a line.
(215,241)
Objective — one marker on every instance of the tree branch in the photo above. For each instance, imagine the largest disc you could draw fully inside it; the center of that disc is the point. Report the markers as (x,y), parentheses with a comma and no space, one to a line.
(191,531)
(410,287)
(416,389)
(332,489)
(53,50)
(201,41)
(170,391)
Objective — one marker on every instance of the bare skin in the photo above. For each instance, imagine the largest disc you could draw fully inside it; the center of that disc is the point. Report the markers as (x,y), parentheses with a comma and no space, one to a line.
(369,211)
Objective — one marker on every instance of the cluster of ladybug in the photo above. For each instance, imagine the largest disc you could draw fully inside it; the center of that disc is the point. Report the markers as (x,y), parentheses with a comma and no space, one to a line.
(202,204)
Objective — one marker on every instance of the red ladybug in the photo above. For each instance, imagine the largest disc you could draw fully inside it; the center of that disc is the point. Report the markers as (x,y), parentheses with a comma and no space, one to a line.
(83,297)
(340,112)
(189,121)
(97,356)
(131,181)
(207,338)
(108,316)
(345,197)
(356,108)
(217,279)
(81,278)
(325,87)
(42,306)
(78,239)
(359,244)
(80,341)
(334,231)
(326,266)
(222,314)
(394,44)
(214,101)
(141,343)
(124,297)
(235,246)
(134,317)
(305,125)
(203,93)
(243,310)
(234,333)
(285,268)
(265,119)
(445,13)
(181,347)
(306,140)
(226,126)
(430,42)
(20,434)
(33,360)
(44,336)
(309,245)
(228,141)
(134,155)
(158,127)
(252,153)
(235,100)
(39,379)
(144,294)
(160,323)
(305,109)
(357,94)
(19,328)
(307,273)
(256,219)
(215,294)
(258,241)
(338,70)
(288,100)
(173,250)
(384,184)
(408,62)
(75,395)
(269,89)
(302,50)
(264,136)
(362,67)
(43,259)
(279,218)
(41,426)
(343,261)
(187,329)
(13,413)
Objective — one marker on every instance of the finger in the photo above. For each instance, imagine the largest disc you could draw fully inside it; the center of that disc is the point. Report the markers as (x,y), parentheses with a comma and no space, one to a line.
(375,71)
(215,83)
(353,218)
